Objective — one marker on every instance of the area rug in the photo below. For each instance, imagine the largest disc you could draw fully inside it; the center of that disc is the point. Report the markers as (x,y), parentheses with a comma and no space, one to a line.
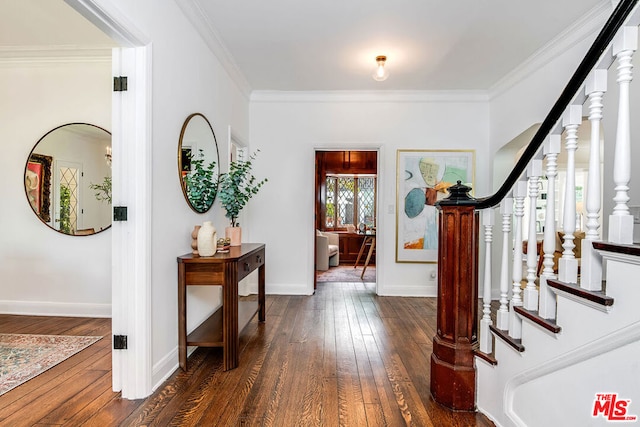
(23,357)
(346,273)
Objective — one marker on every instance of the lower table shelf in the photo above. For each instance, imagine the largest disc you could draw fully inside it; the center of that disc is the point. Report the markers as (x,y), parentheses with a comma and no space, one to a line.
(209,333)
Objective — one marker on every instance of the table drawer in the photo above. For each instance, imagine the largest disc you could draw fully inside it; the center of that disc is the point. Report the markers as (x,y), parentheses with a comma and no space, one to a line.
(249,263)
(204,274)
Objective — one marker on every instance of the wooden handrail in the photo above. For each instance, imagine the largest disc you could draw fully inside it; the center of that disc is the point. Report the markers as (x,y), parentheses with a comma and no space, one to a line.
(613,24)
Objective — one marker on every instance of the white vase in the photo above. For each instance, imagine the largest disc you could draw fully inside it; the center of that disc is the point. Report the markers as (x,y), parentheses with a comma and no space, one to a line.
(207,239)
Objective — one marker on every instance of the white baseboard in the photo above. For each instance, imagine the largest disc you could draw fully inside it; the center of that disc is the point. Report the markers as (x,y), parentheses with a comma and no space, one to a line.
(164,368)
(398,291)
(167,366)
(41,308)
(408,291)
(280,289)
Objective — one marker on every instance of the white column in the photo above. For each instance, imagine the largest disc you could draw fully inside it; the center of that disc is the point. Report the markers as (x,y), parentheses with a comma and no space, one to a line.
(502,316)
(547,303)
(530,298)
(621,221)
(568,264)
(591,263)
(515,323)
(485,334)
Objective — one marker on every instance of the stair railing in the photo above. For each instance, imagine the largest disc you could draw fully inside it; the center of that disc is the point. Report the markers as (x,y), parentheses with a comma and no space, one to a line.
(456,339)
(543,301)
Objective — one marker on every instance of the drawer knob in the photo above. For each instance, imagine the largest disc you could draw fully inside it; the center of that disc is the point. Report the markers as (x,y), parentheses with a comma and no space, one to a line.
(246,266)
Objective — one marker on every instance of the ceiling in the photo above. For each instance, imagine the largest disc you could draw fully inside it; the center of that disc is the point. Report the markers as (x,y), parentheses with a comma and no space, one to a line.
(292,45)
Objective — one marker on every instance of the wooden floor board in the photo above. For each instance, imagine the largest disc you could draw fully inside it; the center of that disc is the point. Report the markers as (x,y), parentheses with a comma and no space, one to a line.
(69,407)
(342,357)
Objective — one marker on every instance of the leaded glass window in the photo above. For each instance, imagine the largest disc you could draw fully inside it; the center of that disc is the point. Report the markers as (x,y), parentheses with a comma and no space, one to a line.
(350,199)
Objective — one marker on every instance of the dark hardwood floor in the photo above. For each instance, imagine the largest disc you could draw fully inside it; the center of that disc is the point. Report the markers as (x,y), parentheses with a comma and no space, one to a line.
(340,357)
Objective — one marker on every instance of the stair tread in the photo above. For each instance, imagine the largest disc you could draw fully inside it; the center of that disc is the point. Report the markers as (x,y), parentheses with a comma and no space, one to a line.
(516,343)
(617,248)
(549,324)
(597,297)
(487,357)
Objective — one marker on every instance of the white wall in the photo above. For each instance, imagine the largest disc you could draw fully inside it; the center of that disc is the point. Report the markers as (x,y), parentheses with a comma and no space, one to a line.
(40,265)
(527,102)
(287,129)
(186,78)
(43,271)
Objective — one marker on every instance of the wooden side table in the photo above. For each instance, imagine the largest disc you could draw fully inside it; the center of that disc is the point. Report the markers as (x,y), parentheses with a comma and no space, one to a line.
(222,328)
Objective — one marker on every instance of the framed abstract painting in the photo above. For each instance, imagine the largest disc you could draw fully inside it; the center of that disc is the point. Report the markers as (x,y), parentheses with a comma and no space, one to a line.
(422,178)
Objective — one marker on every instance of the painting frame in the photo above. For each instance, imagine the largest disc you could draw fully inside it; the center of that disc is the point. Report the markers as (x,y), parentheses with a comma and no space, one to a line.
(422,179)
(38,192)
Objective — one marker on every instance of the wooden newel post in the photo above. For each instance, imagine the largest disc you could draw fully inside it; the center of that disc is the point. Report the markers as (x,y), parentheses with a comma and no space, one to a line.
(453,374)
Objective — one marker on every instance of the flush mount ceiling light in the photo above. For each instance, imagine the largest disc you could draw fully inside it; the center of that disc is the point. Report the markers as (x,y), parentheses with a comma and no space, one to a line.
(381,74)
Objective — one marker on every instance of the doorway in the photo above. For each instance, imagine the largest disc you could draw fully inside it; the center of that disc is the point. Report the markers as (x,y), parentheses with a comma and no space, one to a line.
(346,200)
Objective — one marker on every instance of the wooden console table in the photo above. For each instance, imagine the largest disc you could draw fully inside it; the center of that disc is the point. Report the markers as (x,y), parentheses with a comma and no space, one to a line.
(222,328)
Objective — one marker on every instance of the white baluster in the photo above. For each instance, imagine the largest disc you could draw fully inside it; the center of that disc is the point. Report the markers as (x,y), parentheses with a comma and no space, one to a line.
(547,305)
(502,316)
(591,262)
(530,298)
(486,344)
(621,221)
(568,264)
(515,323)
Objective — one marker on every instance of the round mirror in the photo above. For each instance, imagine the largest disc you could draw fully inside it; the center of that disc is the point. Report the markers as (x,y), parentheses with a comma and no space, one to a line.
(67,179)
(198,162)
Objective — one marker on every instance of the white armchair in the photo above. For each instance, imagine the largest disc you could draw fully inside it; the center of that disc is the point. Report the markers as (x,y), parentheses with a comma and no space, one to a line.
(327,250)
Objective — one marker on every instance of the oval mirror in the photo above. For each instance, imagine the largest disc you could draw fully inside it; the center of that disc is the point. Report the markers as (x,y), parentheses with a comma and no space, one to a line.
(67,179)
(198,161)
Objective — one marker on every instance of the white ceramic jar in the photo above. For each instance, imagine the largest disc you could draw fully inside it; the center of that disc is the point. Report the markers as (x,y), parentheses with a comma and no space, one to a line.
(207,239)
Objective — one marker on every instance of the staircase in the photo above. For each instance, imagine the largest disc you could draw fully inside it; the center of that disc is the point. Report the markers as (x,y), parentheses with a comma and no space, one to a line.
(563,346)
(591,347)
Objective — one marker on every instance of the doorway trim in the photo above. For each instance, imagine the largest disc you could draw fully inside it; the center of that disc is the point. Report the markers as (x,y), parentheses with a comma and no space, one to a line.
(131,239)
(380,185)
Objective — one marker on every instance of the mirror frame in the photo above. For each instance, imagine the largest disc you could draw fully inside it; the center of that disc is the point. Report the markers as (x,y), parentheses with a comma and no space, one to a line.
(46,181)
(183,185)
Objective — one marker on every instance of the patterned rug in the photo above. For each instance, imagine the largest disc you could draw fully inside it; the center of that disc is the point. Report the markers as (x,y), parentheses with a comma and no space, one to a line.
(346,273)
(23,357)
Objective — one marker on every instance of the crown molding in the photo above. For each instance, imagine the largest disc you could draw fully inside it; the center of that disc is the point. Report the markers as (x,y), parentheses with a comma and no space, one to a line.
(24,55)
(193,11)
(258,96)
(586,27)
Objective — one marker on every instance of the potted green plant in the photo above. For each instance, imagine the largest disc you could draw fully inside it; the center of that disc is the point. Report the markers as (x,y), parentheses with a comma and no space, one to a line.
(236,188)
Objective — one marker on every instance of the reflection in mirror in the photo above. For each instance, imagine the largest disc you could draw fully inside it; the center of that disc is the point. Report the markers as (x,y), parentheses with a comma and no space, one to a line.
(238,149)
(198,162)
(67,179)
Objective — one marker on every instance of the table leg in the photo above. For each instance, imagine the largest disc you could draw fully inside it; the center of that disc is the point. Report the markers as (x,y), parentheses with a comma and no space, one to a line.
(261,301)
(366,263)
(230,317)
(182,317)
(364,243)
